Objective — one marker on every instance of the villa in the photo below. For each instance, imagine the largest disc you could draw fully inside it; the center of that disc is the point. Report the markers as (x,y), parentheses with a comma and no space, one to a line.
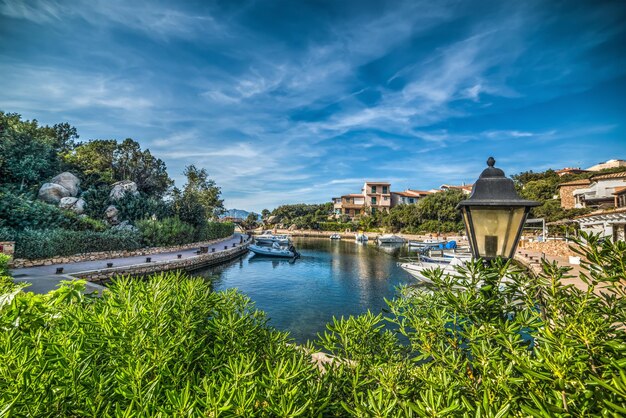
(464,188)
(375,196)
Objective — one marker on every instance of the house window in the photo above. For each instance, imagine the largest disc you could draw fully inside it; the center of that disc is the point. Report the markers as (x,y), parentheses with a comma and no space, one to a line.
(373,211)
(373,200)
(411,200)
(385,198)
(373,189)
(385,190)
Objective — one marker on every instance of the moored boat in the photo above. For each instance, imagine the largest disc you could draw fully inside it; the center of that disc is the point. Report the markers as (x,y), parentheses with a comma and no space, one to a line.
(361,237)
(274,251)
(390,239)
(269,238)
(335,236)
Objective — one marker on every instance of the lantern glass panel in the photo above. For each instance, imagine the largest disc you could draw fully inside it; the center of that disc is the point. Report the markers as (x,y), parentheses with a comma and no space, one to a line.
(495,229)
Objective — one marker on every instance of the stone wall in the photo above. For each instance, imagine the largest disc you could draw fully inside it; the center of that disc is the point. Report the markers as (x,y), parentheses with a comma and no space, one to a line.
(188,264)
(103,255)
(567,195)
(7,247)
(553,248)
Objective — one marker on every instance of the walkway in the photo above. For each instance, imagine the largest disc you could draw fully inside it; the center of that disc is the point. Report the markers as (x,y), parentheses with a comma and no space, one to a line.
(43,278)
(535,257)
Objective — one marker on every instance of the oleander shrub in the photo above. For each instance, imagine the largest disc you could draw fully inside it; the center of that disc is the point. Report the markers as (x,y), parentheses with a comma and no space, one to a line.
(33,244)
(488,341)
(167,346)
(168,231)
(214,230)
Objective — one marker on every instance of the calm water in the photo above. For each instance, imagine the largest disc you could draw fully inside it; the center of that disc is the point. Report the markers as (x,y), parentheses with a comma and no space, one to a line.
(332,278)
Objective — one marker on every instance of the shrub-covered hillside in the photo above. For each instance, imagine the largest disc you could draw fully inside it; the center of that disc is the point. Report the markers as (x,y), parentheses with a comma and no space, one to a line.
(60,196)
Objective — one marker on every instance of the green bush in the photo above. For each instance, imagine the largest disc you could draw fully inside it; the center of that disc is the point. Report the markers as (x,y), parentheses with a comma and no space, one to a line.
(33,244)
(167,346)
(169,231)
(488,341)
(215,230)
(336,226)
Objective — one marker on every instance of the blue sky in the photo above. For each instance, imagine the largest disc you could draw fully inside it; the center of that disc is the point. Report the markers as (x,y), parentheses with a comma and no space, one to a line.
(299,101)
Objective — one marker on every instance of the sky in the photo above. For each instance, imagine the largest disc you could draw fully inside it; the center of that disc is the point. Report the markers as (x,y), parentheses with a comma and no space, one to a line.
(300,101)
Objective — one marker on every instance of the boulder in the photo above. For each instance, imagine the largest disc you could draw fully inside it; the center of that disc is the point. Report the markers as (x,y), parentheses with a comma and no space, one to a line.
(111,214)
(69,181)
(75,204)
(273,220)
(121,188)
(52,193)
(125,226)
(293,227)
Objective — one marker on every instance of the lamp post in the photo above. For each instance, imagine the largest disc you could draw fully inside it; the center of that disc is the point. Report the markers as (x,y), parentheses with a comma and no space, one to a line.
(494,214)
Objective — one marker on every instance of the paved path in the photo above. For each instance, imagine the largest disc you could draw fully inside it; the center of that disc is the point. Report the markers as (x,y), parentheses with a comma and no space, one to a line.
(43,278)
(563,262)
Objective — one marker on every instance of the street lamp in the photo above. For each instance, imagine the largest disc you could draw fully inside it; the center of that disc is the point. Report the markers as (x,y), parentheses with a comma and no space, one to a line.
(494,214)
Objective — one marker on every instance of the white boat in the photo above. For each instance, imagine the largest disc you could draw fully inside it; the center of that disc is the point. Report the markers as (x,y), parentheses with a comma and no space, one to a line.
(416,269)
(427,243)
(266,238)
(274,251)
(361,237)
(335,236)
(390,239)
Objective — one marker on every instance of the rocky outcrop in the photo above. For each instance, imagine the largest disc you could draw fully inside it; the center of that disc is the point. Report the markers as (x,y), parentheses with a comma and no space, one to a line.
(122,188)
(75,204)
(293,227)
(64,185)
(111,215)
(52,193)
(69,181)
(273,220)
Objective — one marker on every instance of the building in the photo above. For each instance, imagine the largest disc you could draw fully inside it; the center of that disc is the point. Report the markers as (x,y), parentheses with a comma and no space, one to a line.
(570,170)
(608,223)
(608,164)
(465,188)
(599,193)
(620,197)
(408,197)
(566,192)
(375,196)
(350,205)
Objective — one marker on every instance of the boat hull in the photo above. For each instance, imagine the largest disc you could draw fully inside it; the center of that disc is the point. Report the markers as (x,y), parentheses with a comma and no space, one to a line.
(271,252)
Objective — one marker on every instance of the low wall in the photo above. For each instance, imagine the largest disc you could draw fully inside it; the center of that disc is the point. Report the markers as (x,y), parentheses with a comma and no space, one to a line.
(551,247)
(103,255)
(371,235)
(188,264)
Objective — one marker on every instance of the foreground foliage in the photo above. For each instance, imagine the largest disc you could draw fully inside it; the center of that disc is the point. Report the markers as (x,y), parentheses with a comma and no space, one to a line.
(505,344)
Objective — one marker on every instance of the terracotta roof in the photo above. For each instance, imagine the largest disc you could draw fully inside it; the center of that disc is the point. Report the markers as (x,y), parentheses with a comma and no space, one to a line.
(570,169)
(580,182)
(410,193)
(602,212)
(620,190)
(420,192)
(609,176)
(461,187)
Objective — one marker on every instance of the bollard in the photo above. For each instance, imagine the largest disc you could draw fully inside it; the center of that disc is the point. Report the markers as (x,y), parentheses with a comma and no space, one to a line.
(225,247)
(234,245)
(109,265)
(59,270)
(179,256)
(212,250)
(240,239)
(148,259)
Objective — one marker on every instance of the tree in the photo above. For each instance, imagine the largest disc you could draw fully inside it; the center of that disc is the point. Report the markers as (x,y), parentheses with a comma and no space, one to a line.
(251,221)
(199,200)
(265,213)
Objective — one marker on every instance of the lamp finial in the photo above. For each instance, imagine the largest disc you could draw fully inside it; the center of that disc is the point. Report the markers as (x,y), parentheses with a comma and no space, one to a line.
(491,162)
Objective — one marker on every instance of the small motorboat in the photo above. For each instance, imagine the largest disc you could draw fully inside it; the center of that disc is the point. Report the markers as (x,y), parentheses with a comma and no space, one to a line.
(390,239)
(335,236)
(269,238)
(427,243)
(275,251)
(416,269)
(361,237)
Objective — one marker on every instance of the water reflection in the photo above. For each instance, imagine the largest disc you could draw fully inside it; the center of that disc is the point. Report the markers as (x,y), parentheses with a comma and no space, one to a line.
(332,278)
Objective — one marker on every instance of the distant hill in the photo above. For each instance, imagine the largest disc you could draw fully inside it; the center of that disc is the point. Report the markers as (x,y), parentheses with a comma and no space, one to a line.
(238,213)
